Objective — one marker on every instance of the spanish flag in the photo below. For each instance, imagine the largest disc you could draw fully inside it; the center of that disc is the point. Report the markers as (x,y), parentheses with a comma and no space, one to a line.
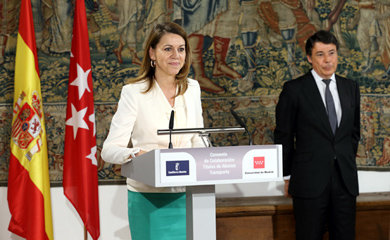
(28,177)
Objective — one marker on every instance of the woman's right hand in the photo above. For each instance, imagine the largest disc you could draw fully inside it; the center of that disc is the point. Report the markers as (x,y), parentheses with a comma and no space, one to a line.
(140,153)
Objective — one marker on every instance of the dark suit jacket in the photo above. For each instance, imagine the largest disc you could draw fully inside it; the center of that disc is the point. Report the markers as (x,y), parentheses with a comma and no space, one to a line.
(309,146)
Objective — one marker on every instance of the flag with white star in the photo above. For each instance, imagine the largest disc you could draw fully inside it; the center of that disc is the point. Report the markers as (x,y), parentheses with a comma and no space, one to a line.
(80,178)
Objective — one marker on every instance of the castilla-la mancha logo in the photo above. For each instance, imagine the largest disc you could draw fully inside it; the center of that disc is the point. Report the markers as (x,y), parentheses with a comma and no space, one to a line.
(258,162)
(27,124)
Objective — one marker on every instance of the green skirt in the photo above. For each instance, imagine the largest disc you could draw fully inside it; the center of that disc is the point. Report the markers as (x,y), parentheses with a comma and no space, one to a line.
(157,216)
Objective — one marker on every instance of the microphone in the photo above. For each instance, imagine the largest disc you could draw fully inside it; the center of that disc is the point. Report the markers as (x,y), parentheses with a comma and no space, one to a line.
(242,124)
(171,120)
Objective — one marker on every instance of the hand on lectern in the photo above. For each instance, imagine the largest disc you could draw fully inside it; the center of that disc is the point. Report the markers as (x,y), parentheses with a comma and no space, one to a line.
(140,153)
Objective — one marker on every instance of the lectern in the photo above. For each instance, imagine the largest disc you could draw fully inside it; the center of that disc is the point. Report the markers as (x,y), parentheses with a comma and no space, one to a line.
(199,170)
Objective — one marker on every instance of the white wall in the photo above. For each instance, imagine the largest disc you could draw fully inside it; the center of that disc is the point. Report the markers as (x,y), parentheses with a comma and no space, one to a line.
(113,206)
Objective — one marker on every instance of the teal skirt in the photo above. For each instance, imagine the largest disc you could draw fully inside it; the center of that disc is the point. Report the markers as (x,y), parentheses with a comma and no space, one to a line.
(157,216)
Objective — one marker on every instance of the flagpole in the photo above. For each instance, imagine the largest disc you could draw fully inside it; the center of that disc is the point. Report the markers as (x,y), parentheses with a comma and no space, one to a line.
(85,233)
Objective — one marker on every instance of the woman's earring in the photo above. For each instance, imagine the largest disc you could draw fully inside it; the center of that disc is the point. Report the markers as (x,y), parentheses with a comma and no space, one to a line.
(152,63)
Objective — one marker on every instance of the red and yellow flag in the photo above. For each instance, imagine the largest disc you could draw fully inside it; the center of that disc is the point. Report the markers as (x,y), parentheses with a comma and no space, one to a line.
(28,177)
(80,162)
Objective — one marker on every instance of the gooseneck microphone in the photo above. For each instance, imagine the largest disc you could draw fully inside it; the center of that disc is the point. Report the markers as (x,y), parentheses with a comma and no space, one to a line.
(242,124)
(171,120)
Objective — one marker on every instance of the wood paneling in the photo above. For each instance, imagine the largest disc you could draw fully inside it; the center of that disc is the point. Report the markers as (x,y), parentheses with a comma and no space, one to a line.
(266,218)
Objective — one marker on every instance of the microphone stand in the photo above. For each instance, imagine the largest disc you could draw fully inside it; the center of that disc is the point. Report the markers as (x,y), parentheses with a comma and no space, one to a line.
(171,121)
(242,124)
(203,132)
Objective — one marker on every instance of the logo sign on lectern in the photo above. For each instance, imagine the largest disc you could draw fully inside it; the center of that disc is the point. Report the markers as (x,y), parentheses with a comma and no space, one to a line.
(178,168)
(222,164)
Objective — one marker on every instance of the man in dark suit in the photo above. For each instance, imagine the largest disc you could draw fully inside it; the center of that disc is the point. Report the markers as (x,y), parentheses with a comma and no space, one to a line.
(318,124)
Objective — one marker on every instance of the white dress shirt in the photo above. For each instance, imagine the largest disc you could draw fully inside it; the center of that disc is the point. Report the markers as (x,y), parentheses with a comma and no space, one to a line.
(139,116)
(333,89)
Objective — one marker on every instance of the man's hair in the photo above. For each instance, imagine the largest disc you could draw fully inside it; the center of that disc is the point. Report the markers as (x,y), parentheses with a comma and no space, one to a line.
(323,37)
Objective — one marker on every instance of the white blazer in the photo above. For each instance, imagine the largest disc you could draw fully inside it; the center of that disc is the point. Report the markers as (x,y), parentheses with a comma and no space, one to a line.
(140,115)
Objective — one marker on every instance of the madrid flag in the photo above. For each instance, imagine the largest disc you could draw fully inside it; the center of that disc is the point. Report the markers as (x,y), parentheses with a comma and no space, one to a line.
(80,179)
(28,176)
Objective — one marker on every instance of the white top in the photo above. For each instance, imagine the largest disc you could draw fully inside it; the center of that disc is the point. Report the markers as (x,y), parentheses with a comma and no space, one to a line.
(333,90)
(139,116)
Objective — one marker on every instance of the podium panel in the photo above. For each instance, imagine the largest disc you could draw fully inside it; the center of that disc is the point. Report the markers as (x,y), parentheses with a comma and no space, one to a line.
(200,169)
(205,166)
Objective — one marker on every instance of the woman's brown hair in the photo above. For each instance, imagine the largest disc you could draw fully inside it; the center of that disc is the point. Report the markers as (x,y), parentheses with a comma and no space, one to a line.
(147,71)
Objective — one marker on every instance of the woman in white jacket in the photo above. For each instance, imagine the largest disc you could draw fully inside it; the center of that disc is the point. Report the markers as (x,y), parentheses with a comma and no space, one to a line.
(145,105)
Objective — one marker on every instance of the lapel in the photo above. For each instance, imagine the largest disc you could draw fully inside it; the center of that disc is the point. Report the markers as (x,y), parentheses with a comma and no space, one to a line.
(318,107)
(342,89)
(190,108)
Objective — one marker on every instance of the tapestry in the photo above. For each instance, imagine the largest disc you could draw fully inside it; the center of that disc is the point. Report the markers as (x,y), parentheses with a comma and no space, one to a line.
(243,51)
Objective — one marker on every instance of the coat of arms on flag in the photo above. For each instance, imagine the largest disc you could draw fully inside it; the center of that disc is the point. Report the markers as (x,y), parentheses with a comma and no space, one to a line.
(27,126)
